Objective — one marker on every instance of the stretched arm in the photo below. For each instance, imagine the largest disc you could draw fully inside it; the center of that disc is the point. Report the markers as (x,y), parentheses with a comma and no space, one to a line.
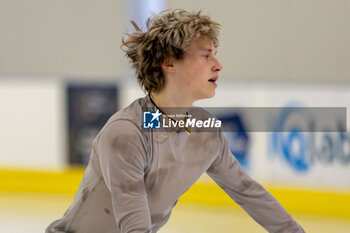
(123,159)
(251,196)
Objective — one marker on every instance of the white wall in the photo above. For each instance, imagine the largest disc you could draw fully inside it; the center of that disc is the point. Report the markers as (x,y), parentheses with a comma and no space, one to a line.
(60,37)
(260,40)
(32,122)
(281,39)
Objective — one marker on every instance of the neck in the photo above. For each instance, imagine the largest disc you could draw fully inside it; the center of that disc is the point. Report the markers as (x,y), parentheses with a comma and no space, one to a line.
(171,102)
(171,99)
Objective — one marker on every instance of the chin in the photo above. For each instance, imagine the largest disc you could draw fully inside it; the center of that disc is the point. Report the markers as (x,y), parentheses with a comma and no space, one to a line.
(212,95)
(207,95)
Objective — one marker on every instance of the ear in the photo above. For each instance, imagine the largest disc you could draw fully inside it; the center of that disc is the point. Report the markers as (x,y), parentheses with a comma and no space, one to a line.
(168,65)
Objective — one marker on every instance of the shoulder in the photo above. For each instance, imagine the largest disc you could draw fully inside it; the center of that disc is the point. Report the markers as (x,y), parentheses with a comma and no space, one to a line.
(129,117)
(125,124)
(132,113)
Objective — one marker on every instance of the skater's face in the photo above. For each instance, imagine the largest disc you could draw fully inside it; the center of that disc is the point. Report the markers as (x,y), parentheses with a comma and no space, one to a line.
(196,74)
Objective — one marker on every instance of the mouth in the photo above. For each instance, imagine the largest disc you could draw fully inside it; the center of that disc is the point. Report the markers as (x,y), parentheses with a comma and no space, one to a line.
(213,79)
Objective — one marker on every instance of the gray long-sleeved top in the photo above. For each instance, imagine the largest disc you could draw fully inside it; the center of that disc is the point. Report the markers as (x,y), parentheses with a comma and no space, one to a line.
(135,177)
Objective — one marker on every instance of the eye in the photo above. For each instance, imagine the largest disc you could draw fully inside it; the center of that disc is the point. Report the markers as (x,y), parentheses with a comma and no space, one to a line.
(206,56)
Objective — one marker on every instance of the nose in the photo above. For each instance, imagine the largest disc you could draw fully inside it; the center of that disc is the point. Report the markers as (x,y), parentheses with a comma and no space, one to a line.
(217,67)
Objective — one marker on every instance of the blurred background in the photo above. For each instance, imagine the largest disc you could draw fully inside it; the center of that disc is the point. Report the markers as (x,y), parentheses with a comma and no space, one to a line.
(62,75)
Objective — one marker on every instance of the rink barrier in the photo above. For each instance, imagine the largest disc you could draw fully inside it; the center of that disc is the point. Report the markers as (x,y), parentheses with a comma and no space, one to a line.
(204,192)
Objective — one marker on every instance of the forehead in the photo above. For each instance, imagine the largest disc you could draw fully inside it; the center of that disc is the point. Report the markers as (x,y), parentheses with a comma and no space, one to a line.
(202,43)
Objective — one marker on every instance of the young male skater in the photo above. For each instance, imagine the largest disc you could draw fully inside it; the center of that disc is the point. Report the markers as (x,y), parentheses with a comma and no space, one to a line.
(135,176)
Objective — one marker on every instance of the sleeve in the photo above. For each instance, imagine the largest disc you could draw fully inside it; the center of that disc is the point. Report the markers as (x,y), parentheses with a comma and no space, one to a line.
(251,196)
(123,158)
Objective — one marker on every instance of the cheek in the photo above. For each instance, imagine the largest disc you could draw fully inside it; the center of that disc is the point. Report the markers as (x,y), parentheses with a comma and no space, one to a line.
(193,75)
(191,80)
(187,77)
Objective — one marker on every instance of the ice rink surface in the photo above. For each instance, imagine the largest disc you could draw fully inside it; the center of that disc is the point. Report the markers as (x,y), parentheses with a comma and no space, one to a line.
(31,213)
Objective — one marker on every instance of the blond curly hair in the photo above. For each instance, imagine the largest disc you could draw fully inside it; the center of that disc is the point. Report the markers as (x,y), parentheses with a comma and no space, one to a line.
(168,35)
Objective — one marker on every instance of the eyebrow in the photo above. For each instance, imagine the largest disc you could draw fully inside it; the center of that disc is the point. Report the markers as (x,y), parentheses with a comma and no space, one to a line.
(209,50)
